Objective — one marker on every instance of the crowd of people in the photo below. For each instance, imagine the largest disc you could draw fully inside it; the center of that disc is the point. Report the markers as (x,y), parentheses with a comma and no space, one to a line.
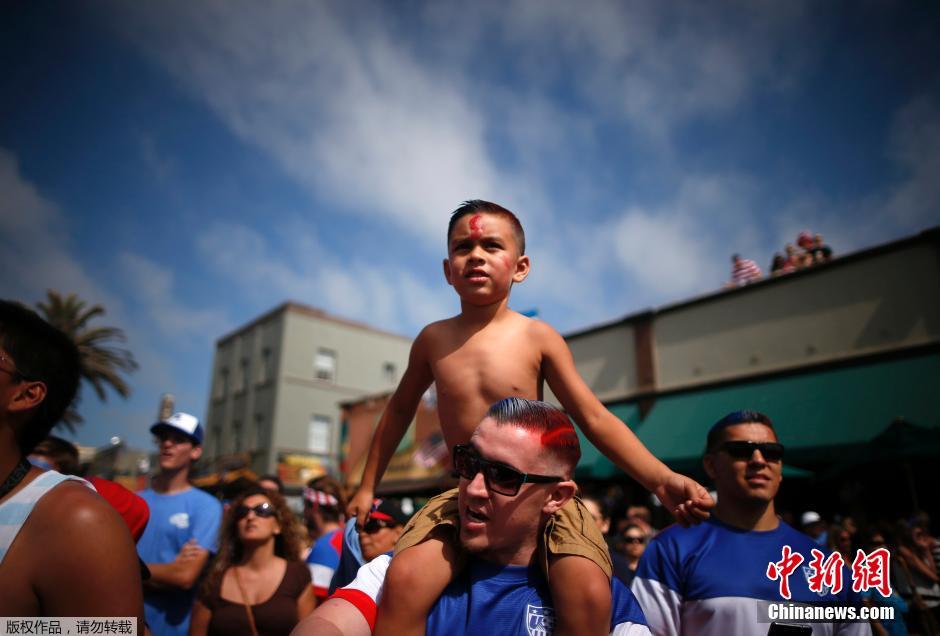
(809,250)
(512,549)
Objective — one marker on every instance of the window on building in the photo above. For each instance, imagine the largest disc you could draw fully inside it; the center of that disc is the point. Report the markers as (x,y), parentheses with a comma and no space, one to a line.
(221,384)
(241,378)
(265,368)
(319,434)
(389,372)
(237,436)
(324,365)
(261,440)
(215,439)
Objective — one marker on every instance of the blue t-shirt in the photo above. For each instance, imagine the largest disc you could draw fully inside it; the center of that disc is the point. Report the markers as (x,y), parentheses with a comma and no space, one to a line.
(174,520)
(711,579)
(487,598)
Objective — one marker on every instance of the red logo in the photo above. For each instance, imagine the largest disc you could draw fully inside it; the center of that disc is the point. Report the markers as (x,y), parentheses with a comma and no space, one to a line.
(826,573)
(872,571)
(783,568)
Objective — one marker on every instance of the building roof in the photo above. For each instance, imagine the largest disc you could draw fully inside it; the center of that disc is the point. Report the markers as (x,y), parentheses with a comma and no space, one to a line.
(928,235)
(306,310)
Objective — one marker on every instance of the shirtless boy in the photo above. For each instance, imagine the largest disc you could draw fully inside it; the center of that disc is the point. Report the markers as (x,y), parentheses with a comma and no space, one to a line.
(482,355)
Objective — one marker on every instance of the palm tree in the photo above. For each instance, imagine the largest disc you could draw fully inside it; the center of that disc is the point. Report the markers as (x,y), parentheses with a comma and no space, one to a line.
(102,363)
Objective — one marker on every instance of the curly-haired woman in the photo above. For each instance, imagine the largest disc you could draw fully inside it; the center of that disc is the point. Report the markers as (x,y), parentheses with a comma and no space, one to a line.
(257,584)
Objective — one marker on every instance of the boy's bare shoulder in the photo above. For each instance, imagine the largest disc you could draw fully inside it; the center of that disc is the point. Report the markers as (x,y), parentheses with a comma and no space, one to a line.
(541,331)
(436,331)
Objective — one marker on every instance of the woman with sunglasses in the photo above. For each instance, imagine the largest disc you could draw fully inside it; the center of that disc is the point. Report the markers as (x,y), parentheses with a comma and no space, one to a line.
(258,584)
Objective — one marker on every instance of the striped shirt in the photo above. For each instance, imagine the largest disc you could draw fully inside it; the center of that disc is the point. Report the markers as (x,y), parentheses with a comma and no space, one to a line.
(16,510)
(744,271)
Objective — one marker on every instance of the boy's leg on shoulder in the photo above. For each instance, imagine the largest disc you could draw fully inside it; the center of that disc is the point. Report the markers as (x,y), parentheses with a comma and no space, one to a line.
(416,578)
(581,596)
(579,571)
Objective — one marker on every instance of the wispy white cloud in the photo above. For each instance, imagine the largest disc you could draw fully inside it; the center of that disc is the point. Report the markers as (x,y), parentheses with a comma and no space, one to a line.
(153,287)
(295,264)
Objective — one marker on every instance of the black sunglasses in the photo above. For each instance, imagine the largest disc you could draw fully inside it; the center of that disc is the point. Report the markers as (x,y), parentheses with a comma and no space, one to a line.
(263,510)
(634,540)
(741,449)
(499,478)
(373,525)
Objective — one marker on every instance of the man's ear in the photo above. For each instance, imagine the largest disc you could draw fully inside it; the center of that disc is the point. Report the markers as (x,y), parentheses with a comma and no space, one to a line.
(28,395)
(196,452)
(522,269)
(559,496)
(708,463)
(447,271)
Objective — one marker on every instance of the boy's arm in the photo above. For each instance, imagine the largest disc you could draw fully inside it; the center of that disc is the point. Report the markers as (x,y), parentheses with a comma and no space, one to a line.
(398,414)
(685,497)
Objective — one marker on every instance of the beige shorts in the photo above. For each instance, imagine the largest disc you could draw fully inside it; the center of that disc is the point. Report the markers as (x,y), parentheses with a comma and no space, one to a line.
(571,530)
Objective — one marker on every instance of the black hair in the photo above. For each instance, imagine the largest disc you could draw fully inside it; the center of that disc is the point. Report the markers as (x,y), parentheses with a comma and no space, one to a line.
(63,453)
(41,353)
(716,432)
(479,205)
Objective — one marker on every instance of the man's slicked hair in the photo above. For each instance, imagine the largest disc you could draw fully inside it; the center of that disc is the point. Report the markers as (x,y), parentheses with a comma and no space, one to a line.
(475,206)
(558,436)
(45,354)
(716,432)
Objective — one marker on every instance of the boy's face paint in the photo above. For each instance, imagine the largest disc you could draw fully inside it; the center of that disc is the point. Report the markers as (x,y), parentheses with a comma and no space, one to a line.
(476,226)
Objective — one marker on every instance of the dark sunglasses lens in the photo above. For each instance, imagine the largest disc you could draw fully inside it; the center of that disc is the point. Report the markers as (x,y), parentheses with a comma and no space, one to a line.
(503,479)
(465,463)
(634,540)
(241,512)
(772,452)
(371,527)
(264,510)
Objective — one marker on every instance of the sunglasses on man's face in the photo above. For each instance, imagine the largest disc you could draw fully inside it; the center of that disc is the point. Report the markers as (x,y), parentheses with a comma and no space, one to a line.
(740,449)
(634,540)
(263,510)
(374,525)
(498,477)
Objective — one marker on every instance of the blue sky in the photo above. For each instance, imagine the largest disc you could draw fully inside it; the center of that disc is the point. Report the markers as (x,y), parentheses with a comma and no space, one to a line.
(190,165)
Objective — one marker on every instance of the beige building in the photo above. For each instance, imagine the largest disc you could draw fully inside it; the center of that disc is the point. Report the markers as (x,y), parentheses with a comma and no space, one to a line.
(277,384)
(844,356)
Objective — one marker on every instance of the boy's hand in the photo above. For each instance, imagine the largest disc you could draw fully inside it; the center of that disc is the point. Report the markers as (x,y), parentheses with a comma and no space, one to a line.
(360,506)
(685,498)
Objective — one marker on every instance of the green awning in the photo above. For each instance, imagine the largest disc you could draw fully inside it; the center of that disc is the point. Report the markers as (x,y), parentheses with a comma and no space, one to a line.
(819,416)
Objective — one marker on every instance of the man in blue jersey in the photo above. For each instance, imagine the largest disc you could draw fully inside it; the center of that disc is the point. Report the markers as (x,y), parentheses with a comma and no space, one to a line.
(514,474)
(183,528)
(712,579)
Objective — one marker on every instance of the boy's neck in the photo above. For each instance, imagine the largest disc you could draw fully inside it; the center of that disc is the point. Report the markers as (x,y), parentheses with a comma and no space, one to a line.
(471,314)
(170,482)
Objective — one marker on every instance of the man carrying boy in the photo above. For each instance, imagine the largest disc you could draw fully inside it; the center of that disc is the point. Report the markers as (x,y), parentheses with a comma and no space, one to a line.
(482,355)
(516,471)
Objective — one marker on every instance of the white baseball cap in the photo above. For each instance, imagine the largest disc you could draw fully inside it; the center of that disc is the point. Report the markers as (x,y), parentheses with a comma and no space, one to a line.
(184,423)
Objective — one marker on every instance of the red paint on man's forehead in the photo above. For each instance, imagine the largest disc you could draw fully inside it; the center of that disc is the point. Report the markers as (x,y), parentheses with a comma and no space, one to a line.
(476,227)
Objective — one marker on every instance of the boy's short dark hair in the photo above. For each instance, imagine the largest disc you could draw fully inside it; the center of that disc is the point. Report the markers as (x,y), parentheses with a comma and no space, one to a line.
(477,206)
(62,453)
(716,432)
(557,433)
(45,354)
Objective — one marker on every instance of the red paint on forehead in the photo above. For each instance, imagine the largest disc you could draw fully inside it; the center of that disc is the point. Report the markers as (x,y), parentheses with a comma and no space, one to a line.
(476,229)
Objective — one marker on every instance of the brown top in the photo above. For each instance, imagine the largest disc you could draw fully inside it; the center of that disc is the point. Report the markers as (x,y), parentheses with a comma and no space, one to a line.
(275,617)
